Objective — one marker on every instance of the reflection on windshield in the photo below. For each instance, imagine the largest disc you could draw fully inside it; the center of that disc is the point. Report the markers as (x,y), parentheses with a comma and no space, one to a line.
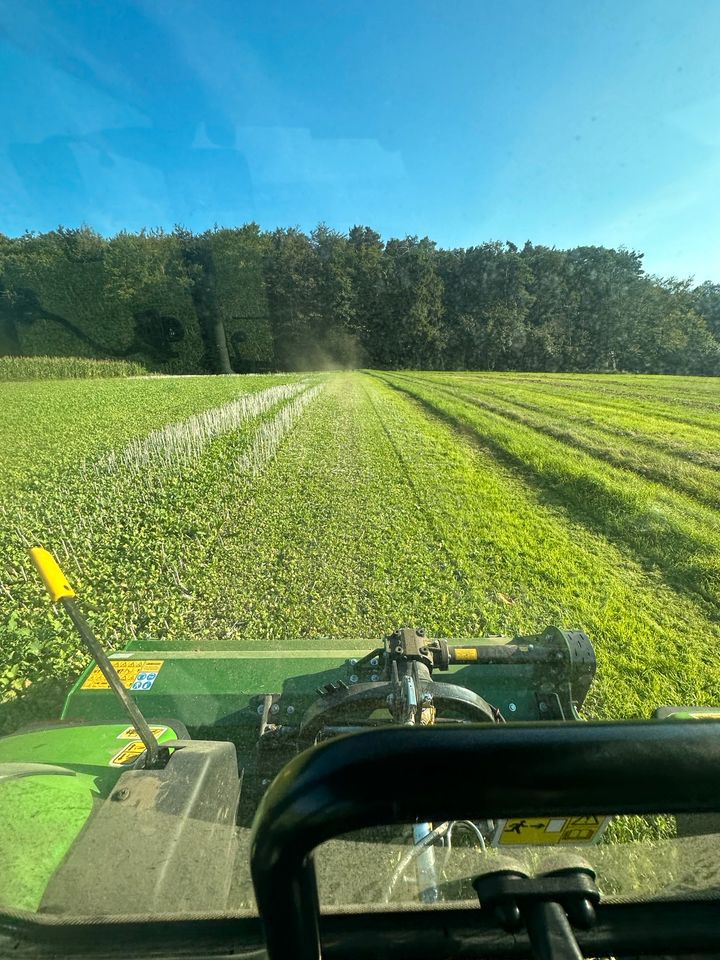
(373,869)
(350,871)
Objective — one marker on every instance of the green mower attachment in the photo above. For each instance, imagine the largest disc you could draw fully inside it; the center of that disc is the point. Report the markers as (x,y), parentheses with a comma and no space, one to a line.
(138,799)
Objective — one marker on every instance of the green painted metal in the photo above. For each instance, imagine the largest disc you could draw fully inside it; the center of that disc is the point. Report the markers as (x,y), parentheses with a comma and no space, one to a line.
(85,748)
(46,811)
(41,817)
(215,693)
(215,689)
(261,644)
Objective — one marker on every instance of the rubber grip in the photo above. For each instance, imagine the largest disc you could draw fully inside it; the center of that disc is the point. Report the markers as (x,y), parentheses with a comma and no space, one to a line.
(54,579)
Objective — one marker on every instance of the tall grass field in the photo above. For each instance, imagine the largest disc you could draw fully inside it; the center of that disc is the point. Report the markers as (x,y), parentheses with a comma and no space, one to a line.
(344,504)
(63,368)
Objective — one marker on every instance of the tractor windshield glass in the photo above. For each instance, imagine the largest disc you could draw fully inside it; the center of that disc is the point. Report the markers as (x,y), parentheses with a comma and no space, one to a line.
(373,869)
(625,866)
(359,367)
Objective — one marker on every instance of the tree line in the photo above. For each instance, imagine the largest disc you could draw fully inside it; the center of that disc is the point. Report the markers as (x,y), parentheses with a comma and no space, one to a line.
(244,300)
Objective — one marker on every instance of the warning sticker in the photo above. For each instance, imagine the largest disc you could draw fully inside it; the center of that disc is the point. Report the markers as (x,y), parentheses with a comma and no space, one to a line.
(130,733)
(128,754)
(134,675)
(548,831)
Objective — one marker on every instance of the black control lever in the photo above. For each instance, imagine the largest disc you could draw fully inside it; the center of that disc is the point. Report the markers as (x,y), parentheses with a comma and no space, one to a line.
(548,906)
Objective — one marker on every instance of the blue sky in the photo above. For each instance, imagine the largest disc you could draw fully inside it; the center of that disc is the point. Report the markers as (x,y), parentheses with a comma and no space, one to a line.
(467,120)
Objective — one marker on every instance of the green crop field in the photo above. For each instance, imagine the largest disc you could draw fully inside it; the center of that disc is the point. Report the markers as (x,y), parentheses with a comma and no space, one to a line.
(343,504)
(62,368)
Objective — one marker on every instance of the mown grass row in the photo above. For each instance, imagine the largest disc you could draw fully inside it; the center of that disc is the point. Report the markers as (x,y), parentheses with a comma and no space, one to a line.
(638,413)
(64,368)
(677,392)
(692,470)
(641,436)
(663,413)
(665,530)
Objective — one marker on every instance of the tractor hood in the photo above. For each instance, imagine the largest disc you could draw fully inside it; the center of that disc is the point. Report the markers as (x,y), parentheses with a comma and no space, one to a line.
(55,782)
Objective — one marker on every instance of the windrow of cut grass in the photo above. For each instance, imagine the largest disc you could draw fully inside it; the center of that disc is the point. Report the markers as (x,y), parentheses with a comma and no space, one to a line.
(682,467)
(662,415)
(674,391)
(666,531)
(654,644)
(626,418)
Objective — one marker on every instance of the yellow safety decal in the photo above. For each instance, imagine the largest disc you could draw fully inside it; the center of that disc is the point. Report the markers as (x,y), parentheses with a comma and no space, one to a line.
(129,754)
(466,653)
(130,733)
(134,675)
(549,831)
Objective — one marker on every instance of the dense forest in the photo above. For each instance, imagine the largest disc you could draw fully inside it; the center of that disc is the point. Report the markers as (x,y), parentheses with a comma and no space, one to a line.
(248,300)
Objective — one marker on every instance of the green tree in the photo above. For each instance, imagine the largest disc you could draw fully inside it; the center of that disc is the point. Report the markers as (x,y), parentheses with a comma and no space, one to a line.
(336,327)
(200,266)
(706,300)
(552,311)
(292,291)
(607,285)
(146,280)
(367,277)
(235,291)
(486,302)
(411,331)
(54,297)
(673,337)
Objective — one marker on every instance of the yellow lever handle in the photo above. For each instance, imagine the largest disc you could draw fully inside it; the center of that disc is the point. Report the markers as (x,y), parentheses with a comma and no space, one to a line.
(54,579)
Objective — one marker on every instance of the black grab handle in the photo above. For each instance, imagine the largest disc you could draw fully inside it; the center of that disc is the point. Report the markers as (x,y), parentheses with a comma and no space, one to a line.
(399,775)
